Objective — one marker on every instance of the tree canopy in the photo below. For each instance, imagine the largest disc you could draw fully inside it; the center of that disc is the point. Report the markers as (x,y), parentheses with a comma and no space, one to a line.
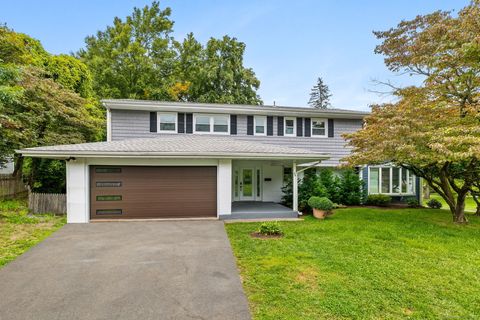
(138,58)
(433,129)
(43,99)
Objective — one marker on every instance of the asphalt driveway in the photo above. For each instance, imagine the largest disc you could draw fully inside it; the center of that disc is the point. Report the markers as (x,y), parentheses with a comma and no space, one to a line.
(126,270)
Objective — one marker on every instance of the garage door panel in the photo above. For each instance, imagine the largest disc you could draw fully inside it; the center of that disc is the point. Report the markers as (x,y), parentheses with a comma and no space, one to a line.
(154,192)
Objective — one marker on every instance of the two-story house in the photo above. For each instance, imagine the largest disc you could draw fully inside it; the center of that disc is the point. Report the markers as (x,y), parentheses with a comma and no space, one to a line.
(184,160)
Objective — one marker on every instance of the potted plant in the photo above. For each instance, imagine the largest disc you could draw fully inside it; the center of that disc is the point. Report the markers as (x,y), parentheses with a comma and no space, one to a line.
(321,206)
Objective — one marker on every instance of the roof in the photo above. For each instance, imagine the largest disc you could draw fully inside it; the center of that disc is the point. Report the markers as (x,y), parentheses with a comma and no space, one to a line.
(148,105)
(175,146)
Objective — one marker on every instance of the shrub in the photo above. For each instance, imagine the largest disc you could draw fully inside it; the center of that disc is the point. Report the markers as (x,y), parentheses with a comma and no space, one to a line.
(381,200)
(270,228)
(350,188)
(332,185)
(434,204)
(412,202)
(321,203)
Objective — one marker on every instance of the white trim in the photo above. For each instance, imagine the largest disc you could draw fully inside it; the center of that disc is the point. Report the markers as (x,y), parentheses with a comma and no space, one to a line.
(159,117)
(325,121)
(255,125)
(128,104)
(211,123)
(294,134)
(109,124)
(224,187)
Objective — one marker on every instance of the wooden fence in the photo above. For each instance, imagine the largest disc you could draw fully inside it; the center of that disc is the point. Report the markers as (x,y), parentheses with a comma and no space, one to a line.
(11,186)
(47,203)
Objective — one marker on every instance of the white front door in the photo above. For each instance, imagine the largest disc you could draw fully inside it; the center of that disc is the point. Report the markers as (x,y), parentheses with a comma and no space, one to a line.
(247,184)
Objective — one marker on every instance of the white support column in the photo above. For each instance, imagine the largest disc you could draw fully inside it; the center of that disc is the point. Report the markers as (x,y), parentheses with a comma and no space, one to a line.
(224,187)
(295,186)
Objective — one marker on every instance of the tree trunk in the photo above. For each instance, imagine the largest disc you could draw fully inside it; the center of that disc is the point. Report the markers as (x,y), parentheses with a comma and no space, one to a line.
(459,210)
(476,198)
(18,167)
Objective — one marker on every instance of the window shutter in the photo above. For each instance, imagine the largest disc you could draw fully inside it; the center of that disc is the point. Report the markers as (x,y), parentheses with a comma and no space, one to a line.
(181,123)
(280,126)
(308,127)
(233,124)
(331,129)
(269,126)
(299,127)
(250,125)
(153,122)
(189,123)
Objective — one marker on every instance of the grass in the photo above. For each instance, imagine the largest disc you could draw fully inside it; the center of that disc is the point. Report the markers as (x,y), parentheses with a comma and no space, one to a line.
(363,263)
(20,231)
(470,205)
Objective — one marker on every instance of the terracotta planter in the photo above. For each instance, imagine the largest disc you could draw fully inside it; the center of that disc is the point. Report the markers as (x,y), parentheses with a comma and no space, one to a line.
(319,214)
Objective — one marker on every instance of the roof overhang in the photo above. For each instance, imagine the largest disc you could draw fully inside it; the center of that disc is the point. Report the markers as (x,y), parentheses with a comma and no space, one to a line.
(170,155)
(232,109)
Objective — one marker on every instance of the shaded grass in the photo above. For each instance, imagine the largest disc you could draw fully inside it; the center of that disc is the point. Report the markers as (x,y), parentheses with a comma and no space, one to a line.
(470,205)
(363,263)
(20,231)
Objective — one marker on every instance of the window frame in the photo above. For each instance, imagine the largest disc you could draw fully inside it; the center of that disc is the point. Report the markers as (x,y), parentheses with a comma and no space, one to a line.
(264,125)
(159,119)
(294,119)
(411,179)
(211,123)
(325,121)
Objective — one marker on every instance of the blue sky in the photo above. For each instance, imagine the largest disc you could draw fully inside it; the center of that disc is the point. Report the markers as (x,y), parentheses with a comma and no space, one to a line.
(289,43)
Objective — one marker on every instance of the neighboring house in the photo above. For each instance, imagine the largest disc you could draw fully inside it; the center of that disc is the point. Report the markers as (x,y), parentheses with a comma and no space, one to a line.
(182,160)
(7,168)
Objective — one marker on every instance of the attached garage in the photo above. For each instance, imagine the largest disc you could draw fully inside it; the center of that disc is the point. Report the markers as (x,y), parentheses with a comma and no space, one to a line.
(146,192)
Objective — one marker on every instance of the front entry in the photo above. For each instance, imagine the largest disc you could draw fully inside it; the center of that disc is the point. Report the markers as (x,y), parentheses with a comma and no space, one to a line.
(246,184)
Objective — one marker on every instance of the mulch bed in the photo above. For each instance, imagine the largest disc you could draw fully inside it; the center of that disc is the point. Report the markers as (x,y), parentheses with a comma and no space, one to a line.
(259,235)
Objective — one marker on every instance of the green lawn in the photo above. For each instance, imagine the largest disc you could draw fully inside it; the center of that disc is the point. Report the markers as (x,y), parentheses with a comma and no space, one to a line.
(20,231)
(470,205)
(363,263)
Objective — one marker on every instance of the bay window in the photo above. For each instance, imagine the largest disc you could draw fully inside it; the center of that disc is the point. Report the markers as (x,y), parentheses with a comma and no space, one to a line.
(391,180)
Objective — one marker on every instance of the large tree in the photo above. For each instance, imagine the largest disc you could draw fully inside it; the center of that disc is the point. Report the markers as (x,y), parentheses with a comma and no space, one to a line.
(138,58)
(44,100)
(433,129)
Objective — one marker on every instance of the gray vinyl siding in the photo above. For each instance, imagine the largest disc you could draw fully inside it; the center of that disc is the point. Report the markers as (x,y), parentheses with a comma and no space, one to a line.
(128,124)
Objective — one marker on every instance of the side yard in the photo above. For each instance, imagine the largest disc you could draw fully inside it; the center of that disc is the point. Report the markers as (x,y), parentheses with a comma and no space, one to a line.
(363,263)
(470,205)
(20,231)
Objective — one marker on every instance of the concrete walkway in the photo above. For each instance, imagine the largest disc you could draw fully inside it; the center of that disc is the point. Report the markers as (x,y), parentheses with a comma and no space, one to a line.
(126,270)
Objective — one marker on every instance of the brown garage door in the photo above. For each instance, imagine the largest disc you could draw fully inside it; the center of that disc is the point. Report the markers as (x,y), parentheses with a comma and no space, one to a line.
(128,192)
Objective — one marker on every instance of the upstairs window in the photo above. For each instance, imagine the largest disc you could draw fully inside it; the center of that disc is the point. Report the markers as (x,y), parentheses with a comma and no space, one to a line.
(319,128)
(218,124)
(260,123)
(290,126)
(167,122)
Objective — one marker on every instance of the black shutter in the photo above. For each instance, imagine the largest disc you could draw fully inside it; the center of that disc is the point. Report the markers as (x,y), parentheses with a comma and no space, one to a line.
(153,122)
(308,127)
(250,125)
(331,129)
(280,126)
(233,124)
(269,126)
(181,123)
(299,127)
(189,123)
